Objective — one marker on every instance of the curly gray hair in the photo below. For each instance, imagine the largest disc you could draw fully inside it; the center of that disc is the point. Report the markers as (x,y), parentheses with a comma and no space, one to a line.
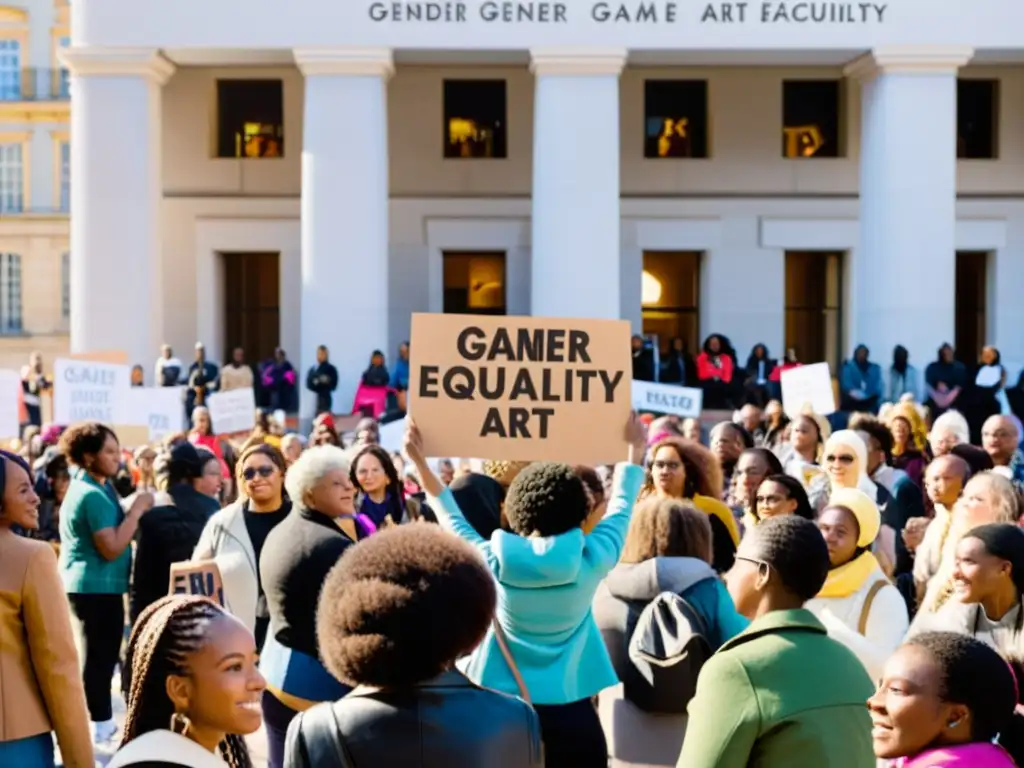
(309,469)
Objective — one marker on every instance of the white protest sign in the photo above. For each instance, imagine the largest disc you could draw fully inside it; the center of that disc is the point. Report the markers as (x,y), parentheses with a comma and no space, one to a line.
(391,434)
(89,391)
(10,415)
(232,411)
(808,387)
(160,409)
(649,397)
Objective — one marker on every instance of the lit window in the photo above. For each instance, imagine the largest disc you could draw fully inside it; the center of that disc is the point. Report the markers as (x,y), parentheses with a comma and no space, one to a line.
(10,293)
(10,70)
(811,118)
(250,117)
(12,179)
(675,118)
(65,285)
(474,119)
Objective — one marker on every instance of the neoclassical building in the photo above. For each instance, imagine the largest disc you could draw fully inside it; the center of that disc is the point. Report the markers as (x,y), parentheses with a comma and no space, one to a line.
(811,175)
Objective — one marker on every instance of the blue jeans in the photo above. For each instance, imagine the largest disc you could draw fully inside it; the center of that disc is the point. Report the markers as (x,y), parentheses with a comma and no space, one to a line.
(33,752)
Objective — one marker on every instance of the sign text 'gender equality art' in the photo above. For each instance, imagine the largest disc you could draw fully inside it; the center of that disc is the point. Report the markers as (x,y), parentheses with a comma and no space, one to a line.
(521,388)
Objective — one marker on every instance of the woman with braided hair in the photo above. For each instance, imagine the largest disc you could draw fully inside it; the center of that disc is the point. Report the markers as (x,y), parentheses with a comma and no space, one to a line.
(195,691)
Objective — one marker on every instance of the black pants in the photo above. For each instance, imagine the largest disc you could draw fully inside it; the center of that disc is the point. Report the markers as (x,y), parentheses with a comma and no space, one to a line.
(100,625)
(572,735)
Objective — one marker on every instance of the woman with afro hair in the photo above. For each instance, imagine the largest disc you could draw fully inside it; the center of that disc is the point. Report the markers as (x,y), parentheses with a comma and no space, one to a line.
(393,616)
(545,644)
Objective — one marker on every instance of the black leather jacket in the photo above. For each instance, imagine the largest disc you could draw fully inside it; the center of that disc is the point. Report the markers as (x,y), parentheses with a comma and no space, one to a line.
(446,722)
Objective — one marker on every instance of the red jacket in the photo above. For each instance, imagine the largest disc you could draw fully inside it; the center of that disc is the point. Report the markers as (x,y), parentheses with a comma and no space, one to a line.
(707,370)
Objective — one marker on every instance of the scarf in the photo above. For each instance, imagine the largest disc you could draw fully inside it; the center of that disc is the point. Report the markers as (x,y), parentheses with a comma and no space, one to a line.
(849,577)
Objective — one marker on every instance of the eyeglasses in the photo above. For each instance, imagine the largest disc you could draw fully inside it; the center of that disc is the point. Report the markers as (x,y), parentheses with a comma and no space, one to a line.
(769,500)
(264,472)
(844,459)
(761,564)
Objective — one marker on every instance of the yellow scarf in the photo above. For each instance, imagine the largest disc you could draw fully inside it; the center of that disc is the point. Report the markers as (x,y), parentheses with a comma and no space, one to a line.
(847,579)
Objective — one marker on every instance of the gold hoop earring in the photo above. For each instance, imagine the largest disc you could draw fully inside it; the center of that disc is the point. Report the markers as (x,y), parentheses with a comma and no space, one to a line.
(180,723)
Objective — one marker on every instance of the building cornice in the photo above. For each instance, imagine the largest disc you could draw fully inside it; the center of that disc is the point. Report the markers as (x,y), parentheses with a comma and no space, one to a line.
(578,61)
(345,61)
(909,60)
(114,62)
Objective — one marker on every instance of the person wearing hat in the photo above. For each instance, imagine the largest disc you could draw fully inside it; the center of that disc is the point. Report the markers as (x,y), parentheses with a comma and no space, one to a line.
(170,531)
(858,605)
(988,588)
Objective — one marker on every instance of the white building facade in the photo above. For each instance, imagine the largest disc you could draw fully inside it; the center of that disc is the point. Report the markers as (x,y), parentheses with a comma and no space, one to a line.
(894,216)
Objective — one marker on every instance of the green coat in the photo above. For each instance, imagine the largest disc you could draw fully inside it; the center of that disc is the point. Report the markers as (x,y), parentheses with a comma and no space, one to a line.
(781,694)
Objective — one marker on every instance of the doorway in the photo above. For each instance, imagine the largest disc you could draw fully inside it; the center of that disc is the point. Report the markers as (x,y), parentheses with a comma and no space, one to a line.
(814,306)
(474,283)
(670,298)
(252,295)
(971,305)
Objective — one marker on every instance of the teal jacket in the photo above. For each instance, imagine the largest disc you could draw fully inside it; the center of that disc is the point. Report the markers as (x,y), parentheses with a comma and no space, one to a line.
(781,694)
(545,590)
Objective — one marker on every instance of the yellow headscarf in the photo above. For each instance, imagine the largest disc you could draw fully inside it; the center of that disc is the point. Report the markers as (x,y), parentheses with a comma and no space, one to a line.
(850,577)
(918,430)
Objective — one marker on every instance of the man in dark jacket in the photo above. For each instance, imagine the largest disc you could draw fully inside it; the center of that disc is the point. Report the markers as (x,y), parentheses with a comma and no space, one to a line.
(202,381)
(322,380)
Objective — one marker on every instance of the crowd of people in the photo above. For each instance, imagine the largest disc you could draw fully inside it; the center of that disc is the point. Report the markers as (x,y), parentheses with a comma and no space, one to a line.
(770,593)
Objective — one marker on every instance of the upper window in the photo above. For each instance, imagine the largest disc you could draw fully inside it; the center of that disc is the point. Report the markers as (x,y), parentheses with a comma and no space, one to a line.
(64,84)
(474,118)
(675,118)
(977,119)
(250,118)
(12,179)
(811,118)
(10,293)
(65,176)
(10,70)
(65,285)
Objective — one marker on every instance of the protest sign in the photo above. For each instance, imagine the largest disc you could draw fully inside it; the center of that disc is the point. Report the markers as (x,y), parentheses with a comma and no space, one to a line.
(10,411)
(232,411)
(201,578)
(649,397)
(160,410)
(86,390)
(521,388)
(808,388)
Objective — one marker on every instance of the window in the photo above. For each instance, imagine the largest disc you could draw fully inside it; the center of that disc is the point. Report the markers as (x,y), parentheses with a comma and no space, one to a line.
(64,84)
(250,116)
(65,285)
(811,118)
(474,283)
(12,181)
(474,118)
(670,298)
(65,176)
(675,118)
(10,293)
(814,306)
(10,70)
(977,119)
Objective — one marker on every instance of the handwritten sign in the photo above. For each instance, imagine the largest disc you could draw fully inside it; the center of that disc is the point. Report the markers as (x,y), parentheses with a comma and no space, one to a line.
(521,388)
(808,388)
(232,411)
(201,578)
(85,390)
(161,410)
(667,398)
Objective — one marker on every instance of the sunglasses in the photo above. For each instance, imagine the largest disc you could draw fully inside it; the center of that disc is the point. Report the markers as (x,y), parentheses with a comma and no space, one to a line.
(769,500)
(843,459)
(264,472)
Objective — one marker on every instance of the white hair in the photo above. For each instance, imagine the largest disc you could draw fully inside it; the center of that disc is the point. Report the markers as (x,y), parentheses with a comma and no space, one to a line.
(951,421)
(310,468)
(288,439)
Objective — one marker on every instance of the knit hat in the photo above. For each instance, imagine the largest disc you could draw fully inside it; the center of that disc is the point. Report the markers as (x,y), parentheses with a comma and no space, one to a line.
(187,458)
(869,521)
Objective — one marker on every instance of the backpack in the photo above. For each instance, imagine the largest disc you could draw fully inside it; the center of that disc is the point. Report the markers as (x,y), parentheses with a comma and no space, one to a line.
(668,645)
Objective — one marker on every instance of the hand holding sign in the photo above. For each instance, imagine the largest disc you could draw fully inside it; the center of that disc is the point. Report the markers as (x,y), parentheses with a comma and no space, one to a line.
(636,436)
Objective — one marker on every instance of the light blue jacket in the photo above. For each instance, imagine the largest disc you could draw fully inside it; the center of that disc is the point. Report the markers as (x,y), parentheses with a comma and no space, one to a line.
(545,590)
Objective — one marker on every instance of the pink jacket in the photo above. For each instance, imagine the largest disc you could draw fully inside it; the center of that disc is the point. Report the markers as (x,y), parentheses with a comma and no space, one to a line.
(980,755)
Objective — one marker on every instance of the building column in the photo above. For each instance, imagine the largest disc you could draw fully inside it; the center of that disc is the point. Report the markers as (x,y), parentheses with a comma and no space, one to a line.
(344,213)
(116,193)
(576,217)
(904,269)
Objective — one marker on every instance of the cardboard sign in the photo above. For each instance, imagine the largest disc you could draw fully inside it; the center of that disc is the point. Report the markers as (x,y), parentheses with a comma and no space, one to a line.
(86,390)
(10,398)
(649,397)
(201,578)
(808,387)
(161,410)
(521,388)
(232,411)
